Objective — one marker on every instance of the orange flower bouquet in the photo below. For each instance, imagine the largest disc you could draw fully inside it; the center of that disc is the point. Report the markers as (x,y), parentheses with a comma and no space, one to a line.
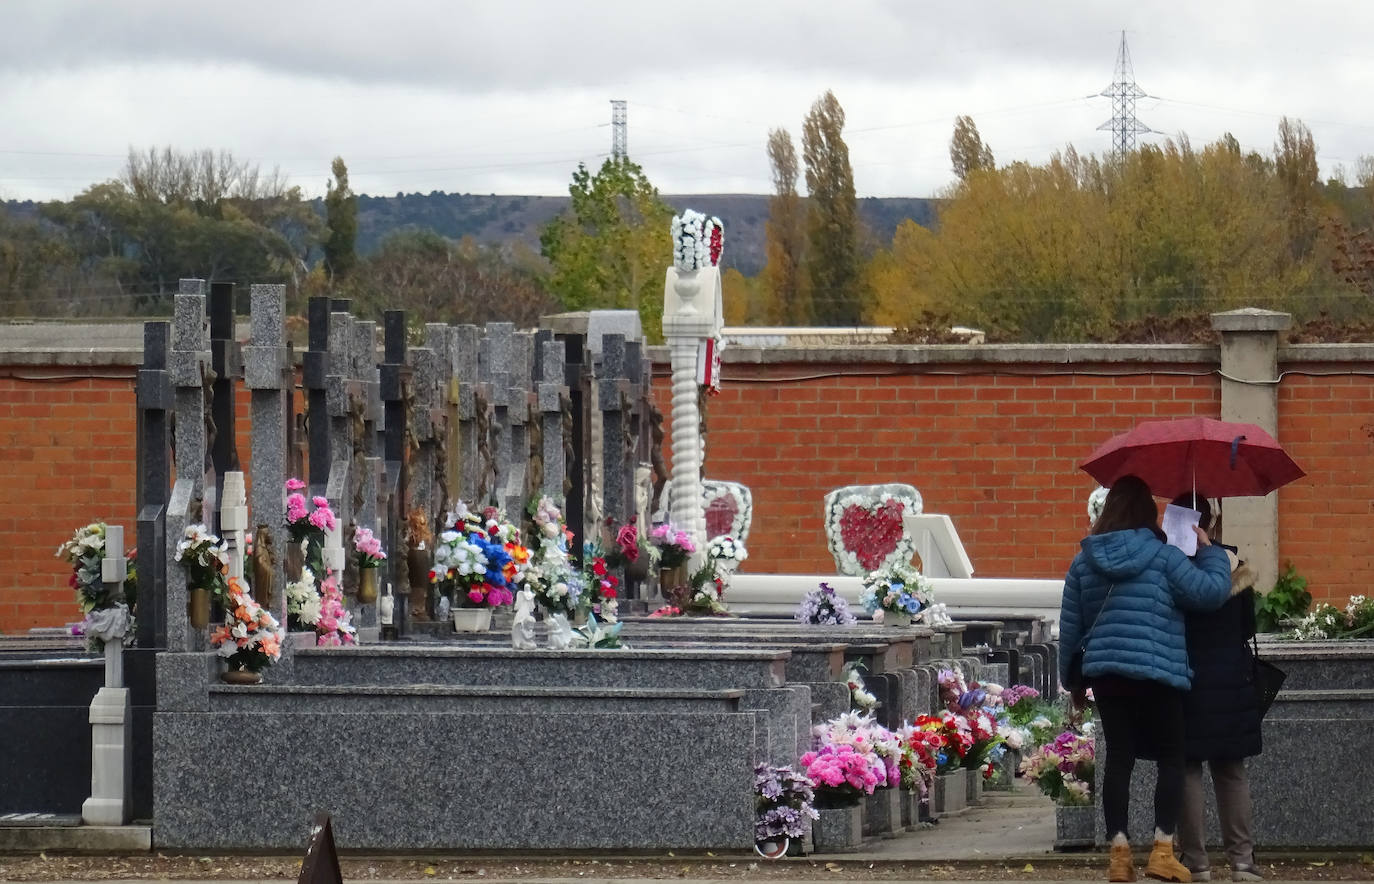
(251,637)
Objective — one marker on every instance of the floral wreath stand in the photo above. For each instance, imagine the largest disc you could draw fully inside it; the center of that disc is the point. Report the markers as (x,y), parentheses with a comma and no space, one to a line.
(863,526)
(729,509)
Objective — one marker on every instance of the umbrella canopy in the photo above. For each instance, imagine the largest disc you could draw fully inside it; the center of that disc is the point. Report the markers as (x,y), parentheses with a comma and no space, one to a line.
(1214,458)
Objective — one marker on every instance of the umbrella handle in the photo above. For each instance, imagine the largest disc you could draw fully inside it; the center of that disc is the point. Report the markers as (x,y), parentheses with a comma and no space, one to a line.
(1235,449)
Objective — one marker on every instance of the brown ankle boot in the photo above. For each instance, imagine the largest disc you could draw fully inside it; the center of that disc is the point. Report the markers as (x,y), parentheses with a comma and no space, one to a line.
(1163,867)
(1121,867)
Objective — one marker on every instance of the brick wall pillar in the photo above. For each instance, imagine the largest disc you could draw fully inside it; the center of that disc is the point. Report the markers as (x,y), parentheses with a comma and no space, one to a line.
(1250,393)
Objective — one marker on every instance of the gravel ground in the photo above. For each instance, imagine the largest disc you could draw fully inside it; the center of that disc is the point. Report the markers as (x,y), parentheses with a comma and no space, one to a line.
(1059,868)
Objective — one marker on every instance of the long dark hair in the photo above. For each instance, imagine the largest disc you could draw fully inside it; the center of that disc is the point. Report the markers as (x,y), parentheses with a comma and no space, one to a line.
(1129,505)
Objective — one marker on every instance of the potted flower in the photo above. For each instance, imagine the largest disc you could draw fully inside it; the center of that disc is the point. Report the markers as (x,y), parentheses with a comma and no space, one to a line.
(307,522)
(920,756)
(784,803)
(1064,770)
(557,587)
(303,604)
(367,549)
(478,563)
(623,547)
(705,592)
(334,625)
(107,608)
(206,560)
(249,639)
(846,769)
(895,594)
(672,547)
(602,597)
(951,783)
(823,606)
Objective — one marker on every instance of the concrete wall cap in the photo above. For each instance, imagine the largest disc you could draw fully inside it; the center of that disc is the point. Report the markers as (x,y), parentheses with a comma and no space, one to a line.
(1251,319)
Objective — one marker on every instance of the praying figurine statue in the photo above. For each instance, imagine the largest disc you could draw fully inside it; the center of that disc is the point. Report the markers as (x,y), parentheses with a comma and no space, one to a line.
(522,630)
(386,607)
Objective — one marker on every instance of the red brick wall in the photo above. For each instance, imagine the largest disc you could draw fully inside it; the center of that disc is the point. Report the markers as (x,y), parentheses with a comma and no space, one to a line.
(68,460)
(998,453)
(1326,520)
(994,446)
(70,454)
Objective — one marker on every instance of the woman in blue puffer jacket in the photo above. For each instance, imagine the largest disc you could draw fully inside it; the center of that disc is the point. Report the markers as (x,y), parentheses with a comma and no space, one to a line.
(1126,592)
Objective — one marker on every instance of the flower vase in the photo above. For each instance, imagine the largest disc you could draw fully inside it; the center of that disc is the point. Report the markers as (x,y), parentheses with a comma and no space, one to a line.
(839,829)
(671,578)
(951,792)
(896,618)
(240,676)
(638,569)
(367,586)
(1074,826)
(198,607)
(294,561)
(773,848)
(974,796)
(471,619)
(418,562)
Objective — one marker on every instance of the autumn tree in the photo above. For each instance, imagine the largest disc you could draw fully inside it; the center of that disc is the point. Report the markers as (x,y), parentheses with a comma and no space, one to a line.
(785,298)
(967,152)
(609,249)
(1295,162)
(831,262)
(341,223)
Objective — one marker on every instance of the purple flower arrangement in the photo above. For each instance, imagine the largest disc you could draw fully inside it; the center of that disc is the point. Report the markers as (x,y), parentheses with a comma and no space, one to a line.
(825,607)
(783,800)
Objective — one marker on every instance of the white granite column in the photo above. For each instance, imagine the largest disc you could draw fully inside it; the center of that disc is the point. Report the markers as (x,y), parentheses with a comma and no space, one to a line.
(690,315)
(1250,394)
(111,758)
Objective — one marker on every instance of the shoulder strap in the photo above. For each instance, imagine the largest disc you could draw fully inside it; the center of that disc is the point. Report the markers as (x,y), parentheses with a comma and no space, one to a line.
(1084,642)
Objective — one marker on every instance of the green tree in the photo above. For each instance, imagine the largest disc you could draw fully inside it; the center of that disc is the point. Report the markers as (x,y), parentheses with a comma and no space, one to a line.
(967,152)
(178,214)
(341,222)
(445,281)
(831,262)
(610,248)
(785,299)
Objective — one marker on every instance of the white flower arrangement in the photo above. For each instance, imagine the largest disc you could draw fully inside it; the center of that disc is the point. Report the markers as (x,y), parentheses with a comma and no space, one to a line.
(697,240)
(727,550)
(303,601)
(740,496)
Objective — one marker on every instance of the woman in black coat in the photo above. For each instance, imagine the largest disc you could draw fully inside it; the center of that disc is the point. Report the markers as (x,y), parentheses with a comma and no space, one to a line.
(1222,719)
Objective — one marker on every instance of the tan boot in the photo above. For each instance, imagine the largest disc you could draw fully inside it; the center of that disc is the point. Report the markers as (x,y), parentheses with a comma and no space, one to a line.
(1163,867)
(1121,867)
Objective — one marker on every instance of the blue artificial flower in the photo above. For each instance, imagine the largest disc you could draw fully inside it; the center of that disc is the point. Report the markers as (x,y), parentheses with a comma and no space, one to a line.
(941,758)
(911,603)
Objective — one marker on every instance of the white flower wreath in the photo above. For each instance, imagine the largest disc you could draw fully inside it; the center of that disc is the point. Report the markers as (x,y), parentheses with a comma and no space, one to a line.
(847,561)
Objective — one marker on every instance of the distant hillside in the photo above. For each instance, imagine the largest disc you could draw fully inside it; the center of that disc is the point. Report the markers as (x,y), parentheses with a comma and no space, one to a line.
(498,218)
(493,218)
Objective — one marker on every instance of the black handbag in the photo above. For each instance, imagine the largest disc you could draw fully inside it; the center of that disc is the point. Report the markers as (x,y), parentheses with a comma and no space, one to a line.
(1268,679)
(1072,679)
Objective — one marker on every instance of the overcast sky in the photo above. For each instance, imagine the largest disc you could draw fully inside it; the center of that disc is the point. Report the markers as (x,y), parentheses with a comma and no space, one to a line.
(506,96)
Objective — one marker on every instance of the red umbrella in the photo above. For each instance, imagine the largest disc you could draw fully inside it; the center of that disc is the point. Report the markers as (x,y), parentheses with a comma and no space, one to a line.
(1211,457)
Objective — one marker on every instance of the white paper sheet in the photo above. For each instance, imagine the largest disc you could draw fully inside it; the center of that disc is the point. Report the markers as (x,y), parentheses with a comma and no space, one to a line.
(1178,527)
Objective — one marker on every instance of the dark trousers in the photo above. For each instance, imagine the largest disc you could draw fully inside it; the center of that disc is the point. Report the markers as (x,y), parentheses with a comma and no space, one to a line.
(1140,719)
